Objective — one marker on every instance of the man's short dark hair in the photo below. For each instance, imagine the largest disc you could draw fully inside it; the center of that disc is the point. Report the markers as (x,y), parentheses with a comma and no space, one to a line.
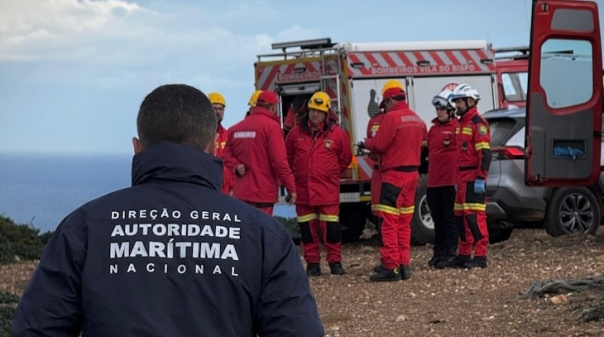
(176,113)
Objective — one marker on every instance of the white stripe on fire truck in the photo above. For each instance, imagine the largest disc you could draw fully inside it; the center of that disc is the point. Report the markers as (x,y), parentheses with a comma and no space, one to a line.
(365,166)
(459,56)
(383,62)
(452,57)
(477,57)
(428,57)
(443,56)
(412,59)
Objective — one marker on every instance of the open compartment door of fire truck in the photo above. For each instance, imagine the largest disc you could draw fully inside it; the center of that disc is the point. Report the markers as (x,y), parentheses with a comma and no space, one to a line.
(564,110)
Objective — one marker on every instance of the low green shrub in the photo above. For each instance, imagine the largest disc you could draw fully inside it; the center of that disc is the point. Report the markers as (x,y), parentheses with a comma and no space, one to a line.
(8,304)
(291,224)
(20,242)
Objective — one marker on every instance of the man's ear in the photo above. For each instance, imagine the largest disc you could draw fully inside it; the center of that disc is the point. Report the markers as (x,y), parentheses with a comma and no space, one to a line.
(138,145)
(211,148)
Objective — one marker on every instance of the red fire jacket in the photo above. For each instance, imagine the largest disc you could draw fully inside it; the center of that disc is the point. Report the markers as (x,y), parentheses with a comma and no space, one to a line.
(473,146)
(405,123)
(318,161)
(227,176)
(257,142)
(442,153)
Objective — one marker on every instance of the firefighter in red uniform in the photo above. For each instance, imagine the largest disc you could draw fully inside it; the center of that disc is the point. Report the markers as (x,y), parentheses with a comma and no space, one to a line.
(473,161)
(318,151)
(398,142)
(255,153)
(219,105)
(442,155)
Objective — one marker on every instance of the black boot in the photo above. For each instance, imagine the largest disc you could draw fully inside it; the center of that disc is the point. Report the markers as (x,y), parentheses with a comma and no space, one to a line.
(404,271)
(436,257)
(477,261)
(447,258)
(313,269)
(458,261)
(386,275)
(337,269)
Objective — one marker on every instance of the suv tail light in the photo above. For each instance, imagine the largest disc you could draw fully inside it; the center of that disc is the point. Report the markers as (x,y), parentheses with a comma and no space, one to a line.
(508,152)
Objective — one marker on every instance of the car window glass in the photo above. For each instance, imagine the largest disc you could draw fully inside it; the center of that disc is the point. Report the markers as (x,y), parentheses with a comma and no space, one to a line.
(514,86)
(501,130)
(562,60)
(517,139)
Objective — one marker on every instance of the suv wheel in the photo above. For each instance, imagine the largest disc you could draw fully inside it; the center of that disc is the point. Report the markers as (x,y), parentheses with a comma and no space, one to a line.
(422,224)
(572,209)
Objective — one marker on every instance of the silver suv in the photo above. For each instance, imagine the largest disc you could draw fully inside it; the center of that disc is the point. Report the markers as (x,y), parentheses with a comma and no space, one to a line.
(562,210)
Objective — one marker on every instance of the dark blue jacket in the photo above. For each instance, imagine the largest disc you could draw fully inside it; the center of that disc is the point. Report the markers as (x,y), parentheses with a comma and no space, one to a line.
(169,256)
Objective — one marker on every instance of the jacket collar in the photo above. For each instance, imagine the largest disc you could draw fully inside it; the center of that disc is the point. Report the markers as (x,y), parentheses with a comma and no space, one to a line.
(470,114)
(435,121)
(399,106)
(264,112)
(167,161)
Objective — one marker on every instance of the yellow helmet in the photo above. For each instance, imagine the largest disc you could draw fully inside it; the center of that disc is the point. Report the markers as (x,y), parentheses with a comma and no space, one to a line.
(216,98)
(320,101)
(392,84)
(254,98)
(392,88)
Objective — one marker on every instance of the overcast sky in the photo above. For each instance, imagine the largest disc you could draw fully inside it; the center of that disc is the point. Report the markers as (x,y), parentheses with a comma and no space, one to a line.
(73,73)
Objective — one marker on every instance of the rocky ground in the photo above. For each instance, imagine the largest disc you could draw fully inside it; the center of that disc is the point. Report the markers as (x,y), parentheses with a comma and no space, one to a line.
(454,302)
(480,302)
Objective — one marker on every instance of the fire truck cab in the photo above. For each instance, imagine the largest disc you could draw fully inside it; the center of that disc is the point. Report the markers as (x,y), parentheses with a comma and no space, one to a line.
(353,75)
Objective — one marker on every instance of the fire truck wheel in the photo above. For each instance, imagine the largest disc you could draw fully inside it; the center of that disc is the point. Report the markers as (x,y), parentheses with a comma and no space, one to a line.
(422,225)
(353,217)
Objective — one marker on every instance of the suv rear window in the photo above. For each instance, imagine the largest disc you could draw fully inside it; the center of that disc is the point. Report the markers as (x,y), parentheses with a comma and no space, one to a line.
(502,129)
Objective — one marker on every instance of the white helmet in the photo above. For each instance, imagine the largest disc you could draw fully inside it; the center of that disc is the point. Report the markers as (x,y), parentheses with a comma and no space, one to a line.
(443,100)
(465,90)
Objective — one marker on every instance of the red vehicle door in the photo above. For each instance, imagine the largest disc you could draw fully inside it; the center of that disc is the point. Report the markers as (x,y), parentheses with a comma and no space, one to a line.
(564,107)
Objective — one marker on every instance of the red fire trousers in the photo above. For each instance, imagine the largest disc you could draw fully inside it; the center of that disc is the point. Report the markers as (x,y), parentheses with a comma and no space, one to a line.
(320,224)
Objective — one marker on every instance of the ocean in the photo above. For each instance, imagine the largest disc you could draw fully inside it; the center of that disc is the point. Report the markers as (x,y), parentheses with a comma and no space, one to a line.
(41,189)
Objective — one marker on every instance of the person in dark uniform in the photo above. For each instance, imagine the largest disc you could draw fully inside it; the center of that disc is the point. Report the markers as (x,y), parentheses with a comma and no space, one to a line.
(442,155)
(171,255)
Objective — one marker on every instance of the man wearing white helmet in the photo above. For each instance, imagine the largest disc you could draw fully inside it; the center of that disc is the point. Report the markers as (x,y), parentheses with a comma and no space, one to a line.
(473,161)
(442,151)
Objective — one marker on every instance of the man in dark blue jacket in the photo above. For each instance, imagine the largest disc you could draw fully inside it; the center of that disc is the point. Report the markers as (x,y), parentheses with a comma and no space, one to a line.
(171,255)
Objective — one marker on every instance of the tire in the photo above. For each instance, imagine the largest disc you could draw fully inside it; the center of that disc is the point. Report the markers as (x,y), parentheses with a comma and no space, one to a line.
(572,209)
(422,224)
(353,217)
